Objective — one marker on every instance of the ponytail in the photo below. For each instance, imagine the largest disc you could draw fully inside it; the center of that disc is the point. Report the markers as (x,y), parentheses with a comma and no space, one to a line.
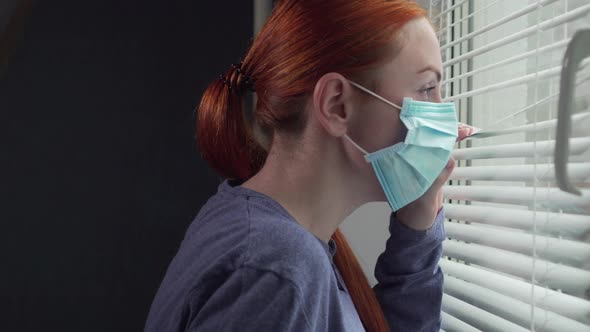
(224,136)
(363,296)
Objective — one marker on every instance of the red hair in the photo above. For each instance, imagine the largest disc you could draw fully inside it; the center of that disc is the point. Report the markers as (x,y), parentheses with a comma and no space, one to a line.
(301,41)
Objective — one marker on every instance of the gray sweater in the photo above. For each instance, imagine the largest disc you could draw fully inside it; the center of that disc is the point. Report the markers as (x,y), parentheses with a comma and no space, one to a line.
(246,265)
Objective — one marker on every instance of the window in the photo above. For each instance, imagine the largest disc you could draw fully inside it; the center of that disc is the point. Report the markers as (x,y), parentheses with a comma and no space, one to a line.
(517,257)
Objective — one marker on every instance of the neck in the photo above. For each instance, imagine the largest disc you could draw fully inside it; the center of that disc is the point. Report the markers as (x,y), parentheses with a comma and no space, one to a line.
(313,187)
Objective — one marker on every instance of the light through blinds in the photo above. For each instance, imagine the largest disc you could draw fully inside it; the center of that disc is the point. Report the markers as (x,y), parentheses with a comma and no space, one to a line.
(517,257)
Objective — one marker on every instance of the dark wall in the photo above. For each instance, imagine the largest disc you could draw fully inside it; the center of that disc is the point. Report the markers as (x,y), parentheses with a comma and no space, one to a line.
(100,174)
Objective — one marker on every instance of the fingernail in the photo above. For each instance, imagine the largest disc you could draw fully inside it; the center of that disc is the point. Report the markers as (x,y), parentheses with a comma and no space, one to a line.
(474,130)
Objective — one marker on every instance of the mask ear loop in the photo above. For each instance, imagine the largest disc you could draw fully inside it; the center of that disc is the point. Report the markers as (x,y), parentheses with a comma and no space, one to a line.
(374,94)
(362,88)
(356,145)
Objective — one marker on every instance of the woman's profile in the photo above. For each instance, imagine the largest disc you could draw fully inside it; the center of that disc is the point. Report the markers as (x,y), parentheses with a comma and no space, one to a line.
(348,111)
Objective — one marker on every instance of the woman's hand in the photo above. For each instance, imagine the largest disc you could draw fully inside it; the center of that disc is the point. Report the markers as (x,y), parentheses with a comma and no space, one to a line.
(420,214)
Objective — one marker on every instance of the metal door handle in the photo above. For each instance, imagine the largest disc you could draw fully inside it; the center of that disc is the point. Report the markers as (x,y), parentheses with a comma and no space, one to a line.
(577,50)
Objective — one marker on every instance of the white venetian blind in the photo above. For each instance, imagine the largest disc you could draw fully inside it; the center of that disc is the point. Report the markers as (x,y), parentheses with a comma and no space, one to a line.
(517,257)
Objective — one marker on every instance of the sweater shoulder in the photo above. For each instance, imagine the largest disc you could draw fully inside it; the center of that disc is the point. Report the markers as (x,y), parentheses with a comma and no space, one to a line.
(265,236)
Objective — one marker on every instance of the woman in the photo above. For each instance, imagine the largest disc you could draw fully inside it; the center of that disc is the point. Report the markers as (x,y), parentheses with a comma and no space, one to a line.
(265,252)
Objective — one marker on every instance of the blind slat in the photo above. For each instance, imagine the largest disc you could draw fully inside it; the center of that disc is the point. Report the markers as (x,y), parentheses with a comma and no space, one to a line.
(477,317)
(548,197)
(508,308)
(555,249)
(560,303)
(453,324)
(578,172)
(572,225)
(571,280)
(577,120)
(528,149)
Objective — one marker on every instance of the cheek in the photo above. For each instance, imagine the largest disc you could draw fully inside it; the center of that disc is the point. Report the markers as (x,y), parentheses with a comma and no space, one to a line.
(378,126)
(401,130)
(387,130)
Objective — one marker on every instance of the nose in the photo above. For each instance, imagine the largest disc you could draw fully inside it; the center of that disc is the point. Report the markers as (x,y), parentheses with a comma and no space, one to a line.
(438,97)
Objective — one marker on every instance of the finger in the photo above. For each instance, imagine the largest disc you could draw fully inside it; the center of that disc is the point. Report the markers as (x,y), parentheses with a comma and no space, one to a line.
(465,130)
(441,179)
(439,200)
(462,133)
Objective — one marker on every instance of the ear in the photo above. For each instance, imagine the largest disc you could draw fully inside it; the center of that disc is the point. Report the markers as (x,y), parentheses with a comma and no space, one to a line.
(332,103)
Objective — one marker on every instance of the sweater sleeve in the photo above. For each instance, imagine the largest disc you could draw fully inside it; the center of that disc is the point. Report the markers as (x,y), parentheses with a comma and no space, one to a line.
(410,282)
(251,300)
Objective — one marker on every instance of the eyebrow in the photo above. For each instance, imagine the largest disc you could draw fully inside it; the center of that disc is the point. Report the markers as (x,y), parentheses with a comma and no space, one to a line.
(432,69)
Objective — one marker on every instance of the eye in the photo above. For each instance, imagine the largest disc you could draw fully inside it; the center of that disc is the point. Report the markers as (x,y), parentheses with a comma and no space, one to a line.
(428,92)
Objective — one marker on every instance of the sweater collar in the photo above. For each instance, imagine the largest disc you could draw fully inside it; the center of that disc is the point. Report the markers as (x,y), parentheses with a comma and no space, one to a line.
(234,187)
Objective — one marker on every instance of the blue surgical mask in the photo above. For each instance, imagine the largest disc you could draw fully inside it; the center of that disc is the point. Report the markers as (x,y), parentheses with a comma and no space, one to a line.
(407,169)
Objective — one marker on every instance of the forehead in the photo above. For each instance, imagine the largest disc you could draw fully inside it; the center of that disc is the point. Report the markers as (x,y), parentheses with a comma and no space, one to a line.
(419,47)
